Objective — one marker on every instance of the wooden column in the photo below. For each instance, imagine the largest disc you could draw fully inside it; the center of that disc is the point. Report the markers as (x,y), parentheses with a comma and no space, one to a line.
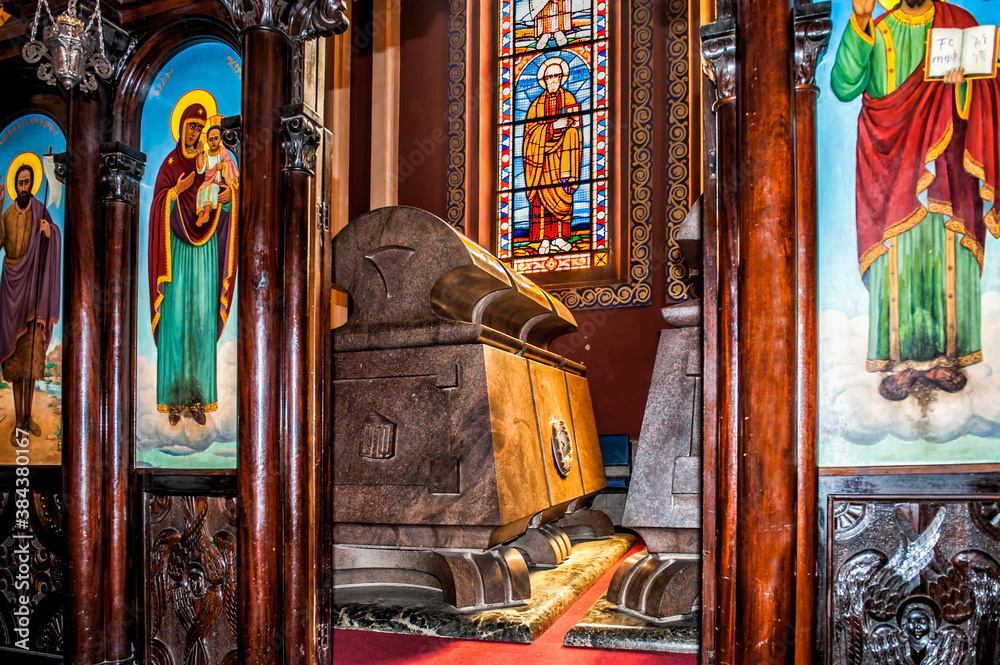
(122,167)
(266,64)
(301,136)
(812,31)
(83,470)
(761,596)
(274,617)
(721,336)
(768,348)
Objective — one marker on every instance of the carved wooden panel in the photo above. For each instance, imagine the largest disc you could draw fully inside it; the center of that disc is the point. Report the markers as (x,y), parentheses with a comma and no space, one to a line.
(913,579)
(41,582)
(190,582)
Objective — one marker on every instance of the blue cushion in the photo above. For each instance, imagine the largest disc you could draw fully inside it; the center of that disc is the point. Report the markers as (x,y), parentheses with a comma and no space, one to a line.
(614,449)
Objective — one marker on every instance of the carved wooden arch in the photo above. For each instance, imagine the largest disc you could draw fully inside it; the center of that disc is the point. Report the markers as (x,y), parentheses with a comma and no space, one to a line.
(150,57)
(26,98)
(122,167)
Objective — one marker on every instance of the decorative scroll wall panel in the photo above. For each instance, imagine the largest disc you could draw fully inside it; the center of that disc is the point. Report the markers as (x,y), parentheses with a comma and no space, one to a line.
(678,123)
(189,588)
(457,49)
(42,583)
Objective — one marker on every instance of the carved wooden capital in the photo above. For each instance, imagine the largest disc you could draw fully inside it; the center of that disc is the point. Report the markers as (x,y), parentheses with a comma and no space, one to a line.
(232,135)
(298,19)
(122,167)
(60,166)
(301,134)
(812,34)
(718,52)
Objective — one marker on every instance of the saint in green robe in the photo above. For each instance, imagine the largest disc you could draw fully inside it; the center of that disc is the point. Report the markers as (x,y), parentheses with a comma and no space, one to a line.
(922,269)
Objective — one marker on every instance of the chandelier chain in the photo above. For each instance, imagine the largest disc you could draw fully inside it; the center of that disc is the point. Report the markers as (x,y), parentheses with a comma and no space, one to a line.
(34,24)
(96,18)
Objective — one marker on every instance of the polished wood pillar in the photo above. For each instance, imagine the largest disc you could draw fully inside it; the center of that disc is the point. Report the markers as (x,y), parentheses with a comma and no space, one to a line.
(812,31)
(122,167)
(266,65)
(721,347)
(301,136)
(768,347)
(82,465)
(761,598)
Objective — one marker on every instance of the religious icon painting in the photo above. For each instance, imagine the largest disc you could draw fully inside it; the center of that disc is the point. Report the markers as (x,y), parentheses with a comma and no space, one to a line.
(188,231)
(553,172)
(31,256)
(909,267)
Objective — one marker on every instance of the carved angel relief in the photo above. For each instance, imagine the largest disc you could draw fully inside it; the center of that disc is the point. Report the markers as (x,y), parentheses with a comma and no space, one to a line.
(192,582)
(917,608)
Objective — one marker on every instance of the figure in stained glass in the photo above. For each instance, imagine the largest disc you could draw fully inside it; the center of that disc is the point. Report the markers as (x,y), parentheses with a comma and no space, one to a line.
(552,158)
(553,19)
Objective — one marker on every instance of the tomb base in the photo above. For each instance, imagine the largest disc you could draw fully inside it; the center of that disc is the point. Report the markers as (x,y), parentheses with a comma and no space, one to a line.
(468,579)
(421,610)
(658,588)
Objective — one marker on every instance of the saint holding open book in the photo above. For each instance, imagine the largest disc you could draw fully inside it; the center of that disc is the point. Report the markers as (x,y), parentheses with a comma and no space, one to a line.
(928,172)
(973,50)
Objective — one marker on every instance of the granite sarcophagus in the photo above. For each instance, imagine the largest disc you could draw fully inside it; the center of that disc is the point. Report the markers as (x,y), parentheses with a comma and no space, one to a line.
(462,446)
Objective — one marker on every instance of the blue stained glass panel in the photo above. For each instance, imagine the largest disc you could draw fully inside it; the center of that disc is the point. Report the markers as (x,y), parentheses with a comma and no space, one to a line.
(528,87)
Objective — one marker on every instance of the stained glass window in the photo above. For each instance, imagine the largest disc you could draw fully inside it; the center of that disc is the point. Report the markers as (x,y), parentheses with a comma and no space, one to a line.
(553,168)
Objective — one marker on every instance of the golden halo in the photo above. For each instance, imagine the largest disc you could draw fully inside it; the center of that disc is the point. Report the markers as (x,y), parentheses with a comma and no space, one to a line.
(32,160)
(888,5)
(563,67)
(212,121)
(202,97)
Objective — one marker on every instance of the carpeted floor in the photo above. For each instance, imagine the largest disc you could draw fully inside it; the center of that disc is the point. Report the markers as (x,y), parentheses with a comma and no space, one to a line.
(358,646)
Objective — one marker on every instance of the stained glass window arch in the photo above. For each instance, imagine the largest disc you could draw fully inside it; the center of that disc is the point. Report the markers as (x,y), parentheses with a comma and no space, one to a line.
(553,166)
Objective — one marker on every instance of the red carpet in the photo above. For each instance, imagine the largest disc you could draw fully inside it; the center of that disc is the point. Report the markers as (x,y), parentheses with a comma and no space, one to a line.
(360,646)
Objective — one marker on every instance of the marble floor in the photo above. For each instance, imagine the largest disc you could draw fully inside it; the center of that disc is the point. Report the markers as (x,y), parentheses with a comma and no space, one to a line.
(604,627)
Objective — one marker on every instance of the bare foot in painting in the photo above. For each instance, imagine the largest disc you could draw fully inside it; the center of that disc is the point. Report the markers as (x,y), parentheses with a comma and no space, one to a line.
(33,427)
(947,379)
(203,216)
(896,386)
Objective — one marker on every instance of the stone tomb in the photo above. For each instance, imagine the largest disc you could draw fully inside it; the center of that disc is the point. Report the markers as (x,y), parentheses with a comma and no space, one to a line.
(463,449)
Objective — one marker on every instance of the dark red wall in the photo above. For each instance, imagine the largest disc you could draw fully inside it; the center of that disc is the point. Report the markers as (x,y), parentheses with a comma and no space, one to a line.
(617,345)
(423,108)
(359,178)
